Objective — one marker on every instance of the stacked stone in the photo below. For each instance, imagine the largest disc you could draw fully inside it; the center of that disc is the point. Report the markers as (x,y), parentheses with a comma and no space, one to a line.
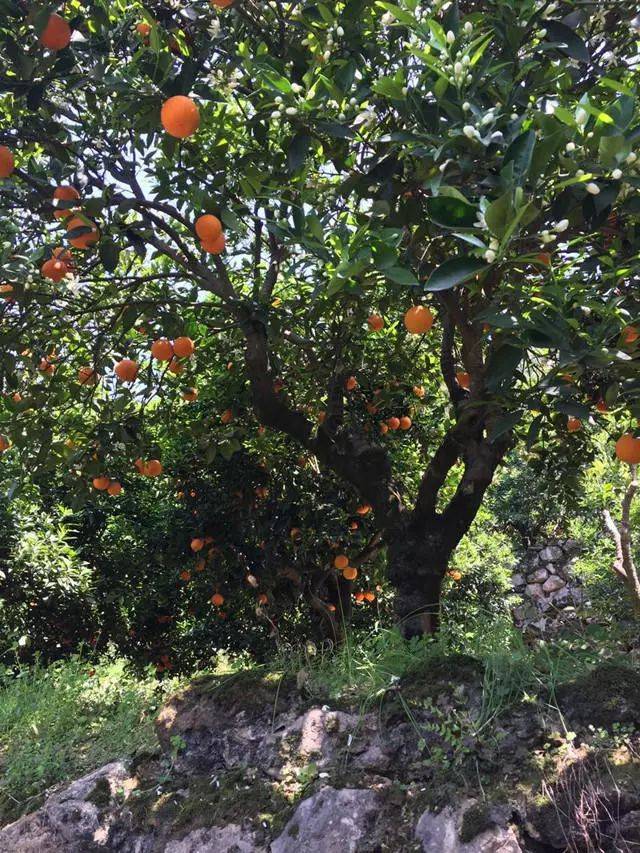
(550,593)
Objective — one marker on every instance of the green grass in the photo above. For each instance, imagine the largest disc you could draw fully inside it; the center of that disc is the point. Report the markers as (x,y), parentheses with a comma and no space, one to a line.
(59,722)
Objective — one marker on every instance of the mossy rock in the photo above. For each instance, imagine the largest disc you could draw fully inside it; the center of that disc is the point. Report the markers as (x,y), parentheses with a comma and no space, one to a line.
(249,689)
(608,694)
(476,819)
(442,671)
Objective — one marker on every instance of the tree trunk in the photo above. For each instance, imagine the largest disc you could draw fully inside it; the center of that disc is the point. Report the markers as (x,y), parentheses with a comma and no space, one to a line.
(416,565)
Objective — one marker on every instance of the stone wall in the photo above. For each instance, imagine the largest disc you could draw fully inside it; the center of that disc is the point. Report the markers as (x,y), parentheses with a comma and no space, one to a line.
(550,592)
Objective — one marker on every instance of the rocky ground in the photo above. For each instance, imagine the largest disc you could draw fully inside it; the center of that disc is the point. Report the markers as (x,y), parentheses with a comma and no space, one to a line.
(251,763)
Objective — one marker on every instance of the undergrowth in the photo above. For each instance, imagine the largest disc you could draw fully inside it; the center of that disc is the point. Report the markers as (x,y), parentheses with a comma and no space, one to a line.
(60,721)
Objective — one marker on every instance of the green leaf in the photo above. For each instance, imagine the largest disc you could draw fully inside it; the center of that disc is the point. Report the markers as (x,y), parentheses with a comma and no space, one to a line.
(573,409)
(451,212)
(502,365)
(504,425)
(297,150)
(499,214)
(401,275)
(563,35)
(520,153)
(390,87)
(454,272)
(398,13)
(613,149)
(109,254)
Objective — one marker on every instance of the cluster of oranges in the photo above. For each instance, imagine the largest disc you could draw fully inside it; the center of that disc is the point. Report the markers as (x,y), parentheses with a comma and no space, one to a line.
(392,424)
(106,484)
(341,563)
(417,320)
(361,597)
(148,468)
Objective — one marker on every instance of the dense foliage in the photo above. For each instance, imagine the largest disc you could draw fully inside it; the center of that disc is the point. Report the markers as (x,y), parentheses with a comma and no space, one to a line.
(429,257)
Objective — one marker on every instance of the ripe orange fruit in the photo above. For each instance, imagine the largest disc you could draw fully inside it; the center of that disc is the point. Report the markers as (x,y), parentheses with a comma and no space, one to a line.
(184,347)
(185,575)
(6,161)
(405,422)
(359,597)
(53,270)
(217,600)
(126,370)
(6,290)
(375,322)
(180,116)
(628,449)
(57,34)
(341,561)
(263,598)
(208,227)
(214,247)
(64,193)
(418,320)
(455,575)
(139,464)
(190,394)
(393,423)
(101,483)
(4,443)
(369,596)
(87,376)
(143,29)
(601,406)
(351,383)
(87,238)
(463,379)
(201,566)
(418,391)
(384,429)
(197,544)
(46,366)
(630,334)
(226,417)
(162,350)
(350,574)
(544,258)
(574,424)
(114,488)
(321,417)
(221,4)
(364,509)
(153,468)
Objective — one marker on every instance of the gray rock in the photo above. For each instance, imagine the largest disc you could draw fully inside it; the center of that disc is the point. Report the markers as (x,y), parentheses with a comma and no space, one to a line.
(68,821)
(539,576)
(438,833)
(551,553)
(534,590)
(572,545)
(552,584)
(518,581)
(216,839)
(329,821)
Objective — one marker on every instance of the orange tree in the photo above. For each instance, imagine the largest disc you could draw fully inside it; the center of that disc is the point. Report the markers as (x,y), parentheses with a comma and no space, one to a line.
(408,223)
